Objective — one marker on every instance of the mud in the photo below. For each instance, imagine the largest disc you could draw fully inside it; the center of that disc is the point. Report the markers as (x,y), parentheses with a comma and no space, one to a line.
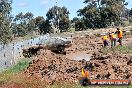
(52,67)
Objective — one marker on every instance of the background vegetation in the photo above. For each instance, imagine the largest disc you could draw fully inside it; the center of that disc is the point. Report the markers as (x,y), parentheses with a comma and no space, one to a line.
(96,14)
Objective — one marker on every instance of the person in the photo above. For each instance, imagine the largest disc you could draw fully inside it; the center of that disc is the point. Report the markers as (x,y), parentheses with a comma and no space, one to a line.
(120,35)
(105,40)
(112,37)
(85,81)
(85,73)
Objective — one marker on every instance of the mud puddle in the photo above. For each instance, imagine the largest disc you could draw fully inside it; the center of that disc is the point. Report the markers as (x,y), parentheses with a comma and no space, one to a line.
(79,56)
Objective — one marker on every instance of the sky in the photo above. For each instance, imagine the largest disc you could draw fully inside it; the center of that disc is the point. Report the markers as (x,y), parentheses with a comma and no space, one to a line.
(40,7)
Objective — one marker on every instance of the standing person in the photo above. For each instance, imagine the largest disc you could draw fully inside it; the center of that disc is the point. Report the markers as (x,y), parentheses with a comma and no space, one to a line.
(113,39)
(105,40)
(120,35)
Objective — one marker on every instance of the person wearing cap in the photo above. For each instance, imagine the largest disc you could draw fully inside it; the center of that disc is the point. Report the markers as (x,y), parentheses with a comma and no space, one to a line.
(120,35)
(112,37)
(105,40)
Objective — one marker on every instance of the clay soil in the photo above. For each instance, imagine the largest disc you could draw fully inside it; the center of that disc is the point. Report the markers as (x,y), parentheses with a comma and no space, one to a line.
(50,67)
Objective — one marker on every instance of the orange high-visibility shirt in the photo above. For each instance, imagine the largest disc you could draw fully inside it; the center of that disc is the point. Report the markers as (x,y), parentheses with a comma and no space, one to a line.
(120,34)
(85,73)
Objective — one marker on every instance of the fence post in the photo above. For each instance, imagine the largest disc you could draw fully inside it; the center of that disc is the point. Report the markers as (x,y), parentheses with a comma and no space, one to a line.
(4,53)
(12,61)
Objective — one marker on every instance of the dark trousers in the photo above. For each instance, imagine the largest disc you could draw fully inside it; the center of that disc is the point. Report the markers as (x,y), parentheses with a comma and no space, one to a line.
(120,41)
(105,43)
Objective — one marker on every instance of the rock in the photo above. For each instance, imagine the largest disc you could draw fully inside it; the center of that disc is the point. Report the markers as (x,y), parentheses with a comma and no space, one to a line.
(129,62)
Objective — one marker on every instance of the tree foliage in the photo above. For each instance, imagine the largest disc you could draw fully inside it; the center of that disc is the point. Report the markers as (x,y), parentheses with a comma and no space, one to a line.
(101,13)
(38,21)
(79,24)
(59,16)
(5,21)
(130,13)
(96,14)
(45,27)
(23,24)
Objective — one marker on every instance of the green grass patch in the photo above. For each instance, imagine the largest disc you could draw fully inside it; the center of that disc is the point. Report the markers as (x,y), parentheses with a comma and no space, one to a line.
(6,75)
(117,49)
(20,66)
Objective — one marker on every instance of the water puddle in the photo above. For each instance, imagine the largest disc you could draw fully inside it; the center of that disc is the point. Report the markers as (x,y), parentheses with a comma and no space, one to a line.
(79,56)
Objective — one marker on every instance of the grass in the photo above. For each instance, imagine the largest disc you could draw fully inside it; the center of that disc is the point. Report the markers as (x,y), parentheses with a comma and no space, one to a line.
(118,49)
(20,66)
(6,75)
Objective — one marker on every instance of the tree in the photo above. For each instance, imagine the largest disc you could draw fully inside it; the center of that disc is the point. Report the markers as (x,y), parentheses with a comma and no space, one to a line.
(20,25)
(5,21)
(38,21)
(79,25)
(90,13)
(19,18)
(74,20)
(45,27)
(29,21)
(28,16)
(59,16)
(115,10)
(24,24)
(101,13)
(64,24)
(130,13)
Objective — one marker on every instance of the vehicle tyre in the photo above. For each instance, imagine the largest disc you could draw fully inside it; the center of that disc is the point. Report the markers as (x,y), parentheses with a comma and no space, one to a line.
(38,52)
(61,49)
(25,53)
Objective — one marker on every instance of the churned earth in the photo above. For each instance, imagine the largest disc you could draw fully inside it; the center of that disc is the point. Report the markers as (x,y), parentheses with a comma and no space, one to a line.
(54,67)
(86,51)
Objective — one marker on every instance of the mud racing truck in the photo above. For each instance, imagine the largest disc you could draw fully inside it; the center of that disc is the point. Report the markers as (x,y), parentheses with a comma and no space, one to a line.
(55,44)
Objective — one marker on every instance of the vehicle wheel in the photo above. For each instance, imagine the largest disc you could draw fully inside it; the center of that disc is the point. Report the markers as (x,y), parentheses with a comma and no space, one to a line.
(61,49)
(38,52)
(30,54)
(25,53)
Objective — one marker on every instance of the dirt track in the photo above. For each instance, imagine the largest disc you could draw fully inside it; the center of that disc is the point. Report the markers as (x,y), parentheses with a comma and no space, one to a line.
(52,67)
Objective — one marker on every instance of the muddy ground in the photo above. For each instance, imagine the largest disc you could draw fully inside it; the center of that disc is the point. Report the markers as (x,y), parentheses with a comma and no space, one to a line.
(52,67)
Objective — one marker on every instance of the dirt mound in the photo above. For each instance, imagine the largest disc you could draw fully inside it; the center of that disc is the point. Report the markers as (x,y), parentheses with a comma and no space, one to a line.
(53,67)
(56,68)
(111,66)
